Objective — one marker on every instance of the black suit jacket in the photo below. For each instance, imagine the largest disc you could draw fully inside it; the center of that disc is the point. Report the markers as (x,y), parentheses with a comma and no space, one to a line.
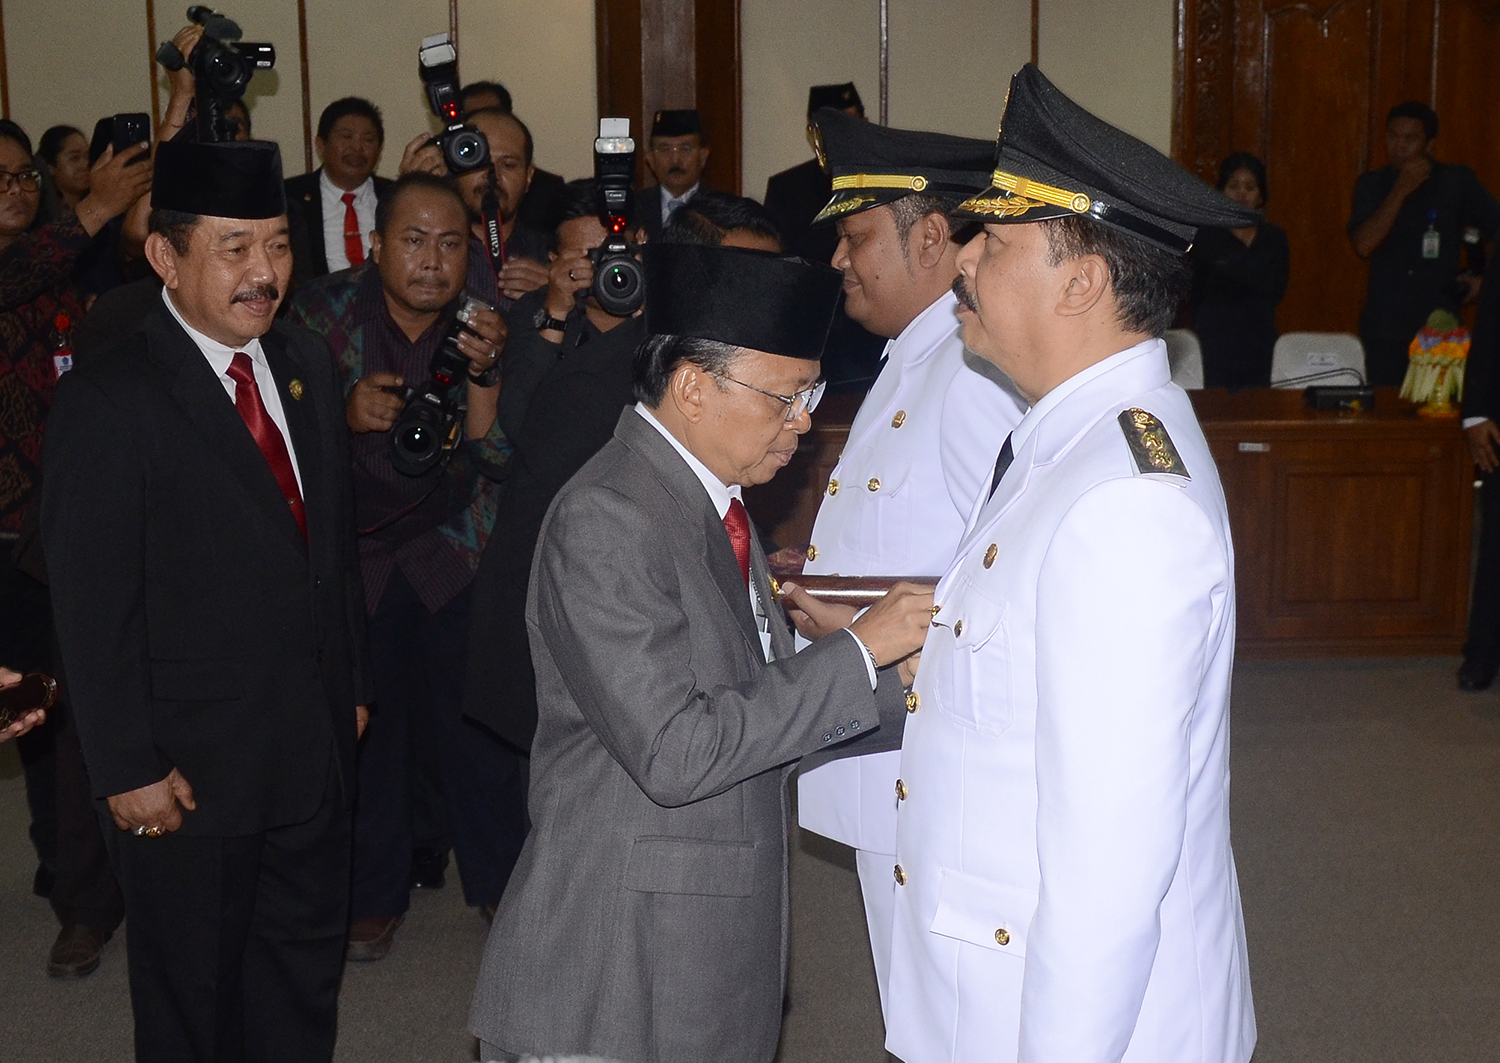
(571,414)
(794,197)
(198,629)
(543,202)
(1482,380)
(304,215)
(648,208)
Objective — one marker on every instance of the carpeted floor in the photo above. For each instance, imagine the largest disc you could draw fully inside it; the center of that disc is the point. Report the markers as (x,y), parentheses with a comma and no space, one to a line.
(1367,831)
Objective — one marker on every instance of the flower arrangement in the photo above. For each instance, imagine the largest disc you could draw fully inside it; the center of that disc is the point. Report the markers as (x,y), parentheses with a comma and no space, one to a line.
(1435,375)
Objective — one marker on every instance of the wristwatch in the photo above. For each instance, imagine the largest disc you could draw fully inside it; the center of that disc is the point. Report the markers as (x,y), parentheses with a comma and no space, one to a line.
(543,321)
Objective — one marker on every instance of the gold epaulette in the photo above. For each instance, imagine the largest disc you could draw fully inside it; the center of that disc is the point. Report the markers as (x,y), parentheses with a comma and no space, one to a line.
(1150,445)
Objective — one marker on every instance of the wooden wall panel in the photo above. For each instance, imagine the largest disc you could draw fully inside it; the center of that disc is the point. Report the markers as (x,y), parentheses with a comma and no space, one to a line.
(1306,86)
(655,54)
(1308,125)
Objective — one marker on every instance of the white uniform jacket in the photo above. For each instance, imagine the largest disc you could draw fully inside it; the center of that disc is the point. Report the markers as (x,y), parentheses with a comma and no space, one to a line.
(920,451)
(1067,891)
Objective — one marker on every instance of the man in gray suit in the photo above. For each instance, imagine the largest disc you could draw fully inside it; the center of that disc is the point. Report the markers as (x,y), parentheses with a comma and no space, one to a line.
(647,918)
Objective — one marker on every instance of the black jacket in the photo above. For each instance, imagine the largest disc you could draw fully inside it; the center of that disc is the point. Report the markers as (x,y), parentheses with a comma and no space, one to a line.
(571,414)
(1482,374)
(198,629)
(304,215)
(794,197)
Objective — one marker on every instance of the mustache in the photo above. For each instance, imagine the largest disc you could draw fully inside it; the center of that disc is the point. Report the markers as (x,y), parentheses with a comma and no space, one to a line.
(261,291)
(966,297)
(676,169)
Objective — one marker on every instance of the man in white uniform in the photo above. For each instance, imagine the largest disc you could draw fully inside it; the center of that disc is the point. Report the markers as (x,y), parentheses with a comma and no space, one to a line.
(1066,891)
(922,446)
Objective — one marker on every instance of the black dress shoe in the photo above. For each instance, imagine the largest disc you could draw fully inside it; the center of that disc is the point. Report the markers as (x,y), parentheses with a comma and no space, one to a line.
(370,939)
(427,867)
(1475,675)
(75,953)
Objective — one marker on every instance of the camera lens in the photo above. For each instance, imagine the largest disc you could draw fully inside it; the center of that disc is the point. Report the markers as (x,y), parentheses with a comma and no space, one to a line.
(467,151)
(619,282)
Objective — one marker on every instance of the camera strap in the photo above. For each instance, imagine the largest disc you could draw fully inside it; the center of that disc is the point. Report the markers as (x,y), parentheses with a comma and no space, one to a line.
(494,235)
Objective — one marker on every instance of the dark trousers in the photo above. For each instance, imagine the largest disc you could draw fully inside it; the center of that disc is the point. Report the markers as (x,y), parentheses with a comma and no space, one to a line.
(1483,644)
(236,945)
(418,663)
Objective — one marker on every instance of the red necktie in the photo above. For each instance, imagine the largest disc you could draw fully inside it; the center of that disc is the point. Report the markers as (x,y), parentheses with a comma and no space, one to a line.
(267,436)
(737,524)
(354,249)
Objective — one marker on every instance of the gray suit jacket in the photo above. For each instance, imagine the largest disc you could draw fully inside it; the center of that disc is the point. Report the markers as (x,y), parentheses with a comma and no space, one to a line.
(647,919)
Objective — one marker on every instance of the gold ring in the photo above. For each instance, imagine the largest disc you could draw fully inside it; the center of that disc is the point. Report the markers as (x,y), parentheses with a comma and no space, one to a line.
(153,831)
(570,276)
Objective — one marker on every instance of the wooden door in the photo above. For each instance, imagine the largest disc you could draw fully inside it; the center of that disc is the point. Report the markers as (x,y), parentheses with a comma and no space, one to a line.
(1306,86)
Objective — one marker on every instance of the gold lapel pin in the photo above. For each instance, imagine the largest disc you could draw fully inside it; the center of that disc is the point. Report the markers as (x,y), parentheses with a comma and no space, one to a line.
(297,389)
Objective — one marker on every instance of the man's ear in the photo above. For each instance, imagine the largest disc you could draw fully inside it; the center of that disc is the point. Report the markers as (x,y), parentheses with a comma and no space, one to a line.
(685,390)
(375,244)
(322,146)
(163,258)
(1086,283)
(703,159)
(932,238)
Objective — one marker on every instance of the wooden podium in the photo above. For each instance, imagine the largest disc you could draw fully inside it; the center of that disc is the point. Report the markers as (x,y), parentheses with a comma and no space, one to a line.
(1351,530)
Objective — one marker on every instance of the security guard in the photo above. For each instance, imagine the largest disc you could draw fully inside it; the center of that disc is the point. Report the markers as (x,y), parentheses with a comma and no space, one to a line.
(922,446)
(1065,888)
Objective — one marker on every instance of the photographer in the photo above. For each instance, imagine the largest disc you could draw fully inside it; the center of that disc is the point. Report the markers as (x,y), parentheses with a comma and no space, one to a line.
(564,391)
(420,538)
(511,170)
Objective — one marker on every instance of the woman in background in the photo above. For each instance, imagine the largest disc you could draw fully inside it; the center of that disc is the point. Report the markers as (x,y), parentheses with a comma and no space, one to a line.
(1239,276)
(65,153)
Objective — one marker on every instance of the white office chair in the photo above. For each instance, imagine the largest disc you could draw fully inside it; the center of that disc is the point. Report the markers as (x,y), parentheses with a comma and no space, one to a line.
(1326,357)
(1185,354)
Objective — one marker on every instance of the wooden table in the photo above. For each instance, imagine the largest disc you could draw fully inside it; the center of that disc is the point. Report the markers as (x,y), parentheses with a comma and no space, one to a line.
(1351,530)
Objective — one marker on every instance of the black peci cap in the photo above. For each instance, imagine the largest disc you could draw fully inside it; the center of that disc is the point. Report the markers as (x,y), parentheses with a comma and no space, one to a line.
(233,179)
(1054,160)
(676,124)
(754,299)
(839,97)
(875,164)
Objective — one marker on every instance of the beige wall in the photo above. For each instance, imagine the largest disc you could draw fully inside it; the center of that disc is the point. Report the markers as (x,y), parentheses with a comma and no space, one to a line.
(354,48)
(951,61)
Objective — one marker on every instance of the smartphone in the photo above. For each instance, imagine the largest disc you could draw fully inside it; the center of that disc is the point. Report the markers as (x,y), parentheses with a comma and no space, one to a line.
(121,131)
(34,691)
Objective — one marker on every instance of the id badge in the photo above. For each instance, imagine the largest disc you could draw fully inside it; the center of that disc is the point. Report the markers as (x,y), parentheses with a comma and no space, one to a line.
(62,363)
(1432,244)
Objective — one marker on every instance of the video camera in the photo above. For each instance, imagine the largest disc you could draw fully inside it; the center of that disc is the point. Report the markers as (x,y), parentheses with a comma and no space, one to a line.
(221,67)
(429,424)
(464,147)
(619,281)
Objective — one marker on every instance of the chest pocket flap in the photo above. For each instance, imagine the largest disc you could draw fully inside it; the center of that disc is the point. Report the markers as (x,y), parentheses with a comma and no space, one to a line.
(975,688)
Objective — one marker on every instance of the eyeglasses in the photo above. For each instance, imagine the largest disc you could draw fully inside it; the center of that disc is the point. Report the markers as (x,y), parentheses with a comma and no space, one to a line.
(29,180)
(796,405)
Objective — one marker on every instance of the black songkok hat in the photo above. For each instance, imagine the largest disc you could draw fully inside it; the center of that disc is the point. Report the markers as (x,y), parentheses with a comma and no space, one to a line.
(676,124)
(839,97)
(874,164)
(756,299)
(1055,160)
(232,179)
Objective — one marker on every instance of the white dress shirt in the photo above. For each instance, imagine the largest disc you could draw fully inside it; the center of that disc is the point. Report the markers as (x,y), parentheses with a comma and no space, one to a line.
(219,357)
(333,219)
(720,494)
(670,203)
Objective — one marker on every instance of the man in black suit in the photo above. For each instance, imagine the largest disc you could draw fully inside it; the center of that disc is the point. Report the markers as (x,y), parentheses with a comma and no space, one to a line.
(331,211)
(676,154)
(1481,411)
(794,197)
(197,518)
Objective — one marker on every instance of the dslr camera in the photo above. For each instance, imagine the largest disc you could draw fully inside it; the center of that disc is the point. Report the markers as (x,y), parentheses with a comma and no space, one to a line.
(429,424)
(464,147)
(619,281)
(221,67)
